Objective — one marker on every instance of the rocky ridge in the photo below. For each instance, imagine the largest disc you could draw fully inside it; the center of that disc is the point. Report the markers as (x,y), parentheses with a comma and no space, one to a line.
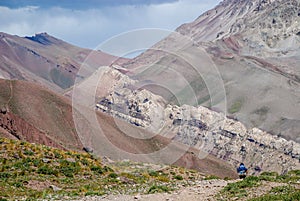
(204,129)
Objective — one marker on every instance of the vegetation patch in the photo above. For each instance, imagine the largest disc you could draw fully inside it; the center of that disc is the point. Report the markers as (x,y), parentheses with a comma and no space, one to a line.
(30,172)
(282,193)
(236,106)
(287,191)
(239,189)
(178,177)
(158,189)
(211,177)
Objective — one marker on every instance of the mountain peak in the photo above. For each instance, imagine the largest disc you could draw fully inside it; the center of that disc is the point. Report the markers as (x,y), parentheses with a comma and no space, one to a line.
(42,38)
(267,23)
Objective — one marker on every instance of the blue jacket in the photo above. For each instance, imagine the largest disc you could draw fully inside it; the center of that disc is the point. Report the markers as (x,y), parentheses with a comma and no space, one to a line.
(242,168)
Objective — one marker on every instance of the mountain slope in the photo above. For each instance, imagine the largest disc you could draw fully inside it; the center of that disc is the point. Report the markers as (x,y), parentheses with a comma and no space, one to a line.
(30,171)
(197,127)
(255,47)
(46,60)
(35,114)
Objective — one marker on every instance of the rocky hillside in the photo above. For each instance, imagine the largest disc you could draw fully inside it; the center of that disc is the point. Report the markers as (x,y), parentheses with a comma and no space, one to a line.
(203,129)
(249,48)
(35,114)
(30,171)
(47,60)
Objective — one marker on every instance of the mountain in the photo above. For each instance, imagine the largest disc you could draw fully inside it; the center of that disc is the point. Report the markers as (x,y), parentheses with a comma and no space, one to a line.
(206,132)
(222,88)
(47,60)
(246,80)
(244,50)
(35,114)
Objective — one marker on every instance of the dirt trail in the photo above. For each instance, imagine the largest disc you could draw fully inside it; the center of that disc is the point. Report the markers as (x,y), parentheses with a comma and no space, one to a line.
(204,190)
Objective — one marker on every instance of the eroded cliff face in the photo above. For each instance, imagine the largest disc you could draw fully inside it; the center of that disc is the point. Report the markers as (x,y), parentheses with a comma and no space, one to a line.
(203,129)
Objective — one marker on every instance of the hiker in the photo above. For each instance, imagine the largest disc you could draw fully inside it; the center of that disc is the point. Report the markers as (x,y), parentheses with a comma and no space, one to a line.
(242,171)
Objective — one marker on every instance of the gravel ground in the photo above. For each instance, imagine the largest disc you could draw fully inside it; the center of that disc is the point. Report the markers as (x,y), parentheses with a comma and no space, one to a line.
(203,191)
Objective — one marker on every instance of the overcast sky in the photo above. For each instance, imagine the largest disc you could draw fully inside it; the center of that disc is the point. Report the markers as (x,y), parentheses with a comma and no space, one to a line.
(87,23)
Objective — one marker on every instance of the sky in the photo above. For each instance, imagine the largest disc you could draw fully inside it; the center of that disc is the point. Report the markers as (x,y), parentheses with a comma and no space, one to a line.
(88,23)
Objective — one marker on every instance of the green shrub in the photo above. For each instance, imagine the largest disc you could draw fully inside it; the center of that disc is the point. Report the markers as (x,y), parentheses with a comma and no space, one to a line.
(22,165)
(211,177)
(282,189)
(153,173)
(84,162)
(5,175)
(271,174)
(57,155)
(238,189)
(289,196)
(37,162)
(28,152)
(94,193)
(178,177)
(158,189)
(17,184)
(67,171)
(107,169)
(282,178)
(47,170)
(97,169)
(294,172)
(69,168)
(113,175)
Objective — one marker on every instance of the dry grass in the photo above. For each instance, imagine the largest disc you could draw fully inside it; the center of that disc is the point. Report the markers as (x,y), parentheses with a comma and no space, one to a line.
(31,171)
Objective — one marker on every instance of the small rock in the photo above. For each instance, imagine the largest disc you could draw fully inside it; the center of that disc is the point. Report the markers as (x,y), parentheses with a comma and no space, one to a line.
(88,149)
(106,159)
(16,156)
(3,110)
(46,160)
(55,188)
(137,197)
(71,160)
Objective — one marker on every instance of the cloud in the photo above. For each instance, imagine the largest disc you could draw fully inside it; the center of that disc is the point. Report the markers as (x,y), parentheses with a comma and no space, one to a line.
(78,4)
(89,27)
